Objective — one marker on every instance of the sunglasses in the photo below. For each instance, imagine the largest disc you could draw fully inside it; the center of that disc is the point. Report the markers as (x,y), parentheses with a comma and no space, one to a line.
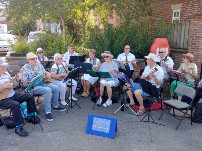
(33,59)
(127,48)
(161,52)
(40,52)
(59,59)
(106,57)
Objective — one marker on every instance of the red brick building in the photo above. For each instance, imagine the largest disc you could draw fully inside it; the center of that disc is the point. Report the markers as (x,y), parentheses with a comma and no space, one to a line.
(182,11)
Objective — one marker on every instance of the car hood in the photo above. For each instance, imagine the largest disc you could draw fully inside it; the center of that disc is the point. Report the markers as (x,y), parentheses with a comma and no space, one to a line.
(4,43)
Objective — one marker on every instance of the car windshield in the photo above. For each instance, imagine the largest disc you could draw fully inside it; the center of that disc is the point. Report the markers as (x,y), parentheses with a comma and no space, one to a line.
(6,38)
(33,35)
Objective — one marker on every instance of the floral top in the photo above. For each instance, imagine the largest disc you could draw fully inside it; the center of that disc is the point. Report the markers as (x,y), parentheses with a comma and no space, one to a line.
(31,72)
(192,66)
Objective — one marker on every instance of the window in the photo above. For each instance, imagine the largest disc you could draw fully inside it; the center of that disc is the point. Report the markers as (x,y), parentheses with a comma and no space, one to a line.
(176,16)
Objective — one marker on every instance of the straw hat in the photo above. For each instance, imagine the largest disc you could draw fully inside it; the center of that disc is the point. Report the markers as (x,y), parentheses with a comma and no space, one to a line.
(31,55)
(107,53)
(152,56)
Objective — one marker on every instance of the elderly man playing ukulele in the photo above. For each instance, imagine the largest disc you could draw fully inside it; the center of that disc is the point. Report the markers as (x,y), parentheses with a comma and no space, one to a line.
(150,79)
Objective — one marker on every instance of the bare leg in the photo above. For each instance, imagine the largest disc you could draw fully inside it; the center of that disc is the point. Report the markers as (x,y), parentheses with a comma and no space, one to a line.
(109,91)
(101,89)
(138,95)
(180,98)
(84,85)
(87,86)
(130,95)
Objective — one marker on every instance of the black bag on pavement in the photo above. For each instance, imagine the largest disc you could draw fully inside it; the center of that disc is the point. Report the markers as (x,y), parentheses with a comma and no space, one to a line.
(197,114)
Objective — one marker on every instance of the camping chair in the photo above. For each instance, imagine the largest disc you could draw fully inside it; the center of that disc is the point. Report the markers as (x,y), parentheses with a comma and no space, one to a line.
(179,105)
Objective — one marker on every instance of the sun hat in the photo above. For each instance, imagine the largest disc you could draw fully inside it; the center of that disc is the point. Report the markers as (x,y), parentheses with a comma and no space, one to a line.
(31,55)
(2,62)
(152,56)
(39,49)
(107,53)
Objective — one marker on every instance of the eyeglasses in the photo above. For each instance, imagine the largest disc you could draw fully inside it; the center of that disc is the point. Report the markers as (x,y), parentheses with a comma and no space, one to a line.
(161,52)
(33,59)
(59,58)
(106,57)
(127,48)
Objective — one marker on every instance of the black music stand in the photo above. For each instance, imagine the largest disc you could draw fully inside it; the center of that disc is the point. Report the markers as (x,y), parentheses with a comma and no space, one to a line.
(83,68)
(100,75)
(35,81)
(77,58)
(70,76)
(47,64)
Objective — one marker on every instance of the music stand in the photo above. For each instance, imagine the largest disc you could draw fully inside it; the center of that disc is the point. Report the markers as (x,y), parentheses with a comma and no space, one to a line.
(70,76)
(35,81)
(125,79)
(47,64)
(83,68)
(77,58)
(100,75)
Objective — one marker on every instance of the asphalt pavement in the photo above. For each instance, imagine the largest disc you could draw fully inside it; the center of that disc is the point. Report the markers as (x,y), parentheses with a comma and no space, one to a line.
(68,132)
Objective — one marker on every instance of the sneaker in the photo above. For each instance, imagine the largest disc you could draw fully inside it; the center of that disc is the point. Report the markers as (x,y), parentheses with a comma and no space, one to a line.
(49,117)
(73,98)
(107,103)
(99,101)
(59,108)
(21,132)
(63,102)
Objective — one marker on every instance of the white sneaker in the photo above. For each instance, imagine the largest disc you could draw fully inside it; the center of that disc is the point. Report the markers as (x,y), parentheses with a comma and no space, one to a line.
(99,101)
(63,102)
(73,98)
(107,103)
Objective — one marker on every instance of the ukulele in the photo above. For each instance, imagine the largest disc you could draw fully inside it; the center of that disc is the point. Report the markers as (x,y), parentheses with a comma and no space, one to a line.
(154,71)
(4,93)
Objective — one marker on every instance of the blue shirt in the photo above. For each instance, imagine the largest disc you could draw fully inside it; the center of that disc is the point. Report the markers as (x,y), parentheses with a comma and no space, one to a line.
(7,79)
(105,68)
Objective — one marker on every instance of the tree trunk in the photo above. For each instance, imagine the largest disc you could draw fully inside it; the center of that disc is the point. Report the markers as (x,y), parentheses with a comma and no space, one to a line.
(63,29)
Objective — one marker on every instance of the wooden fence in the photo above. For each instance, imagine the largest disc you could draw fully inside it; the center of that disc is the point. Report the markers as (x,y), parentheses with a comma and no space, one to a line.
(179,35)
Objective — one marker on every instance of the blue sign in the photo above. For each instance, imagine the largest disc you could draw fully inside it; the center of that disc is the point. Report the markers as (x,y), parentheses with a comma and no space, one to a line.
(101,126)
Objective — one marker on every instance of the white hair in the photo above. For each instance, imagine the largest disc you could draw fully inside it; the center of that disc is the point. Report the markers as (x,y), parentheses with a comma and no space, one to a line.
(57,55)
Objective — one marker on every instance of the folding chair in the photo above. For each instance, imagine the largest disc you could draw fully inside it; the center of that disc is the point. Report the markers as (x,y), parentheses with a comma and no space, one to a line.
(179,105)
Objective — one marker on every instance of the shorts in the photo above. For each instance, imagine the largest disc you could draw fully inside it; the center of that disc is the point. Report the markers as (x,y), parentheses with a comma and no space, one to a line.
(137,86)
(111,83)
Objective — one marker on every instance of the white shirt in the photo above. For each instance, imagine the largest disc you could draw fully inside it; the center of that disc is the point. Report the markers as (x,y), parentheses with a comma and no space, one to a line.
(130,57)
(96,61)
(169,63)
(159,74)
(67,55)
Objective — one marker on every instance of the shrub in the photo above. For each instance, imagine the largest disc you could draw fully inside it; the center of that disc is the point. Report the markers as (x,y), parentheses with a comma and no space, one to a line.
(21,46)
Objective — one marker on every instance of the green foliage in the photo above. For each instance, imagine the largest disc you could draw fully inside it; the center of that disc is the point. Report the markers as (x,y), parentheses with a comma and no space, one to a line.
(115,38)
(51,43)
(21,46)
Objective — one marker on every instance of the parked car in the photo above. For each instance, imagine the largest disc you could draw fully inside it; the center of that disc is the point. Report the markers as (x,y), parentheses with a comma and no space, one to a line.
(33,35)
(6,40)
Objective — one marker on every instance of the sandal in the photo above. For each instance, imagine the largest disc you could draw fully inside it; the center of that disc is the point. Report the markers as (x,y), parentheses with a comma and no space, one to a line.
(131,105)
(83,94)
(141,111)
(86,95)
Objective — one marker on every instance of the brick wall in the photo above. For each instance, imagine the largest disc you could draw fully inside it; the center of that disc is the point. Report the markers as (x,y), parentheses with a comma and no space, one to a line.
(162,8)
